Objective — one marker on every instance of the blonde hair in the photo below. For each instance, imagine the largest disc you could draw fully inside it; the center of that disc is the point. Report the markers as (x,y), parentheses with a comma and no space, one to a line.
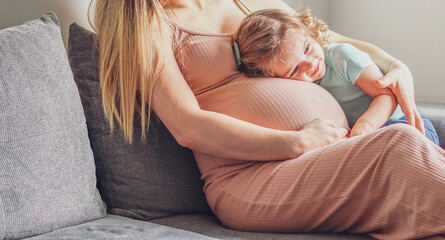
(130,36)
(261,34)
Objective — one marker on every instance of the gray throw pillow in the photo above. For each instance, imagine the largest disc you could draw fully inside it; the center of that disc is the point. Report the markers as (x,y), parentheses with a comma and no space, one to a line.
(148,179)
(47,172)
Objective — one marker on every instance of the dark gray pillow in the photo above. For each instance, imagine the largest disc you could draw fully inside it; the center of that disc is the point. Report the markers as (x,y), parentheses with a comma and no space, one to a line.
(148,179)
(47,172)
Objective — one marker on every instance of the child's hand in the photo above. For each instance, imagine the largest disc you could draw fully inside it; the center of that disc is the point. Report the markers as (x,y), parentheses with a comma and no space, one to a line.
(400,81)
(361,128)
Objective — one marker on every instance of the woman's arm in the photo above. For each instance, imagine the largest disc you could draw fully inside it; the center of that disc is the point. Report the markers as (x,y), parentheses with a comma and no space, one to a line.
(397,77)
(383,105)
(220,135)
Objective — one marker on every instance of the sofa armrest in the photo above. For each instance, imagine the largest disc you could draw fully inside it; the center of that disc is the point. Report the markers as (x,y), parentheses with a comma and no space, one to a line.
(436,113)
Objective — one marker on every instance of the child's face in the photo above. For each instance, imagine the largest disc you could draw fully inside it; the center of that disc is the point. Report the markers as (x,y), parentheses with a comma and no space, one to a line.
(301,58)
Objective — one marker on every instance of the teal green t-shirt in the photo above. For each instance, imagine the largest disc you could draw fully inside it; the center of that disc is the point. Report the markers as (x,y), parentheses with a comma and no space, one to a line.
(344,63)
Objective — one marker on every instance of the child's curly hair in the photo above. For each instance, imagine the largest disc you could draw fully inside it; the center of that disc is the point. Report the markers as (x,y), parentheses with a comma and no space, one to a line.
(260,35)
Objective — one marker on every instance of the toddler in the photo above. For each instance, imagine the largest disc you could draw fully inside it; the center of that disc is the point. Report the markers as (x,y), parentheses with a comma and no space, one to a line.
(272,43)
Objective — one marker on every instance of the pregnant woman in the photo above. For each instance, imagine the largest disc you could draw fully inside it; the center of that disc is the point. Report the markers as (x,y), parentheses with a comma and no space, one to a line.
(273,153)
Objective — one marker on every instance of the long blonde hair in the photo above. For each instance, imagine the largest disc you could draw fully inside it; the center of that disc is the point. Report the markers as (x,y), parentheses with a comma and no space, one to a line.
(260,36)
(130,36)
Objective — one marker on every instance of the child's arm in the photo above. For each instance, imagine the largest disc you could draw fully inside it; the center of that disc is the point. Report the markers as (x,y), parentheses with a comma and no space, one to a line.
(382,106)
(398,77)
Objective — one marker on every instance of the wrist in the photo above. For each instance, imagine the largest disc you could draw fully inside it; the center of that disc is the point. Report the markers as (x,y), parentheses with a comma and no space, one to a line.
(304,141)
(396,64)
(368,122)
(298,144)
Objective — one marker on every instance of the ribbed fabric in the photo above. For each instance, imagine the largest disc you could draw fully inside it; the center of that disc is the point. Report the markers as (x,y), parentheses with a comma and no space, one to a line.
(389,184)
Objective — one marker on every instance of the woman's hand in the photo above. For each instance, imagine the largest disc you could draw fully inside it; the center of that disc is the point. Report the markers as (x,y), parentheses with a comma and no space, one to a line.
(321,132)
(397,77)
(400,81)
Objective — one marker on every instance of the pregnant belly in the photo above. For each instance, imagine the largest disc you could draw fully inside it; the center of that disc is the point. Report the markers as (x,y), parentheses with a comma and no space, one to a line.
(273,102)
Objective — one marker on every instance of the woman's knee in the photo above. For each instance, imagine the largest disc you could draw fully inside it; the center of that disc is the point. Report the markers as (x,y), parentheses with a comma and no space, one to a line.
(404,131)
(407,149)
(398,141)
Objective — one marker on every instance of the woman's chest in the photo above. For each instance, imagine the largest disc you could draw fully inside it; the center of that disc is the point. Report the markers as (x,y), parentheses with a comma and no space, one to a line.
(206,60)
(223,16)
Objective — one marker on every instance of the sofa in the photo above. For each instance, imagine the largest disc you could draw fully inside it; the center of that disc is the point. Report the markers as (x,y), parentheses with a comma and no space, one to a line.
(65,175)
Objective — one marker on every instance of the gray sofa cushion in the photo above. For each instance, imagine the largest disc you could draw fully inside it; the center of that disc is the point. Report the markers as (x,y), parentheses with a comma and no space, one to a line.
(209,225)
(145,180)
(47,172)
(436,113)
(116,227)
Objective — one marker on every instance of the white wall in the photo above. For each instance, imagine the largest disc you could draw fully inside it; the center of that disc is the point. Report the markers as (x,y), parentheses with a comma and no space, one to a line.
(320,8)
(410,30)
(14,12)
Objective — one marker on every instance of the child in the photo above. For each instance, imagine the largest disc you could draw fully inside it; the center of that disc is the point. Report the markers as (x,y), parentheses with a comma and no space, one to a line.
(273,43)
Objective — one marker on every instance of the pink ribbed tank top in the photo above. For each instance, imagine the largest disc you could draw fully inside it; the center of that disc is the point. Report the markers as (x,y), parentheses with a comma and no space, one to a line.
(208,65)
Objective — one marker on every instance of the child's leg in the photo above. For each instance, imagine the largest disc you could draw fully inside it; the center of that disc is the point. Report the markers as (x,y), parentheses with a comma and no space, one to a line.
(430,131)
